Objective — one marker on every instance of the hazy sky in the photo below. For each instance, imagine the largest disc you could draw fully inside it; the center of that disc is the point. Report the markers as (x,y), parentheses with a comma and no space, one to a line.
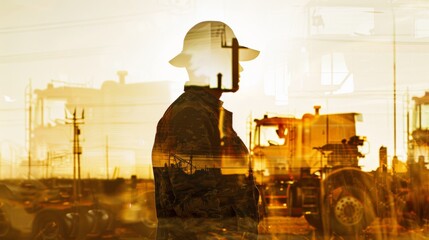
(337,54)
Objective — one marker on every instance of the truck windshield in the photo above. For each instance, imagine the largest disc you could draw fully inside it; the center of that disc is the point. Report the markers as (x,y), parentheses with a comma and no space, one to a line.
(269,135)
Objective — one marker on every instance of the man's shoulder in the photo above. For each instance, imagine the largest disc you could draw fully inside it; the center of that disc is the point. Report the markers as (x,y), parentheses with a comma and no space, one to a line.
(191,100)
(185,98)
(188,108)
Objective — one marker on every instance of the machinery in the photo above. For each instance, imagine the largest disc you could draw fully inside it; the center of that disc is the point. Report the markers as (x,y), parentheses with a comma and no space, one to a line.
(30,209)
(310,166)
(413,188)
(419,141)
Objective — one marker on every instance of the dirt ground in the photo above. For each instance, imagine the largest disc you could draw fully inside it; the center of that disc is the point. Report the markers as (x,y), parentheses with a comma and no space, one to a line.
(289,228)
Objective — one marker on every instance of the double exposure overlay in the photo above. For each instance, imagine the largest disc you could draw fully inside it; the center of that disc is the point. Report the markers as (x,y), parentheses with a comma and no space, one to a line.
(201,119)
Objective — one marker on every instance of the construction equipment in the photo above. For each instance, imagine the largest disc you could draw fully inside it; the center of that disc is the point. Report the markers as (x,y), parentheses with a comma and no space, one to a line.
(310,166)
(413,189)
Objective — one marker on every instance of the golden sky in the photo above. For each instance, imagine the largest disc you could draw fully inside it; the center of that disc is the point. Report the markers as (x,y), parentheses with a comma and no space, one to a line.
(337,54)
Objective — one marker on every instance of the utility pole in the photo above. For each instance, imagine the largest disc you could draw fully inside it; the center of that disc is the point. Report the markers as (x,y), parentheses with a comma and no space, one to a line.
(107,157)
(77,151)
(395,157)
(29,132)
(394,82)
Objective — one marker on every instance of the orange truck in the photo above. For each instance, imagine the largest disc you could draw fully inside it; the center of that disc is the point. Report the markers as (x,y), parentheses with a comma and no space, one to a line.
(309,167)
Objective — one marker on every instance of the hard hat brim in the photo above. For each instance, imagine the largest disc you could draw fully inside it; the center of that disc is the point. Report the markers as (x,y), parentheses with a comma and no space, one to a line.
(245,54)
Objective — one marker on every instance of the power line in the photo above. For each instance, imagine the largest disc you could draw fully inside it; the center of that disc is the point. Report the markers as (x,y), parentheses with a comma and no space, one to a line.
(11,109)
(73,23)
(69,53)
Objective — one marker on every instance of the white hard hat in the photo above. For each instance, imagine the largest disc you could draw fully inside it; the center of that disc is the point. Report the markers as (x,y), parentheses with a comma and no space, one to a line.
(209,35)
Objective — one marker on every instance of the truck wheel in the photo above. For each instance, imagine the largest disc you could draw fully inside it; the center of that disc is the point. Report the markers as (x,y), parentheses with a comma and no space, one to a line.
(412,210)
(350,210)
(6,230)
(49,226)
(314,220)
(347,204)
(5,226)
(100,221)
(144,230)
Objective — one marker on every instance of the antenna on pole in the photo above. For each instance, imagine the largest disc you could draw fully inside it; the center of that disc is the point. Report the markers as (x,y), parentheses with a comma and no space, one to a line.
(395,157)
(77,151)
(394,82)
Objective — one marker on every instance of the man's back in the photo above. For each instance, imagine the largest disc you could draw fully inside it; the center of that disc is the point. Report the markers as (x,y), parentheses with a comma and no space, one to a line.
(196,145)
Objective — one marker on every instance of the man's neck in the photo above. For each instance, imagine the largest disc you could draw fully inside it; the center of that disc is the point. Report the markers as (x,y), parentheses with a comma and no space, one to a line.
(217,93)
(214,92)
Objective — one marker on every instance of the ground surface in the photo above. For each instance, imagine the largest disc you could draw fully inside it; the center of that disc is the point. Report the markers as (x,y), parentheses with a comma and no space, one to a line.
(288,228)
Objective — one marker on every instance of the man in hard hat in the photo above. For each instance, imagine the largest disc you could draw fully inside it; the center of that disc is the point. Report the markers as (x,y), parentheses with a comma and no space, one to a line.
(204,185)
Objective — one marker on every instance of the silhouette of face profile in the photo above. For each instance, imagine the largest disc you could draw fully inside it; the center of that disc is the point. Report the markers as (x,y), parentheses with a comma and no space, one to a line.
(204,54)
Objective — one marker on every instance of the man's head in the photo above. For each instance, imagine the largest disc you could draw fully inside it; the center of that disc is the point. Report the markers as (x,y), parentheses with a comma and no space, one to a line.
(207,52)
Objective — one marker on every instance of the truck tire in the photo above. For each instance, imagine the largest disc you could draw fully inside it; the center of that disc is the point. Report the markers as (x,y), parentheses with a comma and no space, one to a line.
(49,225)
(348,201)
(100,221)
(6,230)
(350,210)
(412,209)
(315,221)
(345,216)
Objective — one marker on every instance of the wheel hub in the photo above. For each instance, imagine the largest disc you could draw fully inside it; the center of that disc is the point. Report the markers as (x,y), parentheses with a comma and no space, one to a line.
(51,230)
(349,210)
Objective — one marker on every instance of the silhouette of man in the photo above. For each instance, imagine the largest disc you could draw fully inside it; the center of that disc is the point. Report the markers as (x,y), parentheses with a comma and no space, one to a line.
(204,186)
